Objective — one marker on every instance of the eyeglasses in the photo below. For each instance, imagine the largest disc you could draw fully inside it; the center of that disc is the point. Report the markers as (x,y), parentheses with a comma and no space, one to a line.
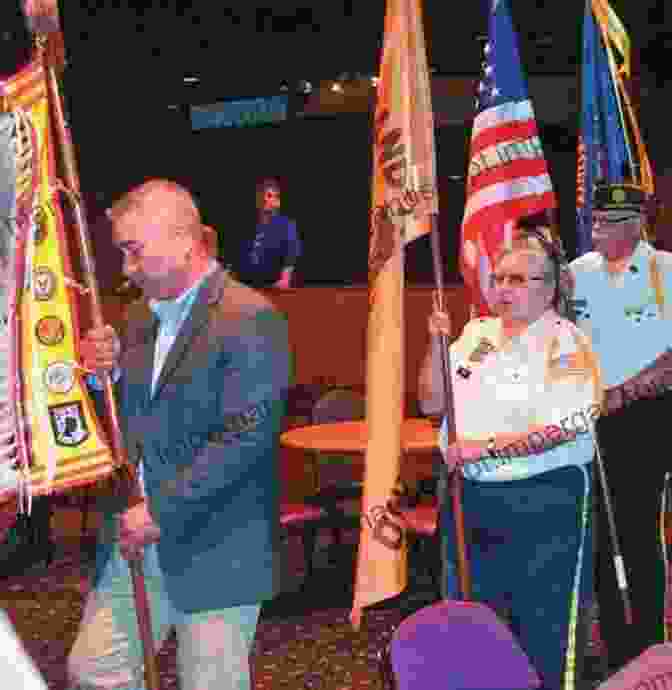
(516,280)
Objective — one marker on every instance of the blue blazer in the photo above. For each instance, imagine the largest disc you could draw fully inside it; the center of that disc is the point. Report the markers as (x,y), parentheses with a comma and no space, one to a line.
(208,439)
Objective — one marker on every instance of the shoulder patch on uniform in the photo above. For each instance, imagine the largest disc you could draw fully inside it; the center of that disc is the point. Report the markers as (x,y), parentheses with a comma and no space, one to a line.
(569,355)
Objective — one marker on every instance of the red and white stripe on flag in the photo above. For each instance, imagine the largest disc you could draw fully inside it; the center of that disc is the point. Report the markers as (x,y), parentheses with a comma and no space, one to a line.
(508,179)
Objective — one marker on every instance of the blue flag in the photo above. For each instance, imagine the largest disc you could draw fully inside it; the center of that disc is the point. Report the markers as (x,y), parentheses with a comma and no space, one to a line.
(602,151)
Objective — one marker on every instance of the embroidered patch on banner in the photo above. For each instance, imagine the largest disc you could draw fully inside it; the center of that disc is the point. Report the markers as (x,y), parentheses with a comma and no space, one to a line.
(44,283)
(50,330)
(69,424)
(59,377)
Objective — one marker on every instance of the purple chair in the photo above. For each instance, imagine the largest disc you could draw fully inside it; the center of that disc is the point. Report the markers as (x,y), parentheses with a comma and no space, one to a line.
(458,645)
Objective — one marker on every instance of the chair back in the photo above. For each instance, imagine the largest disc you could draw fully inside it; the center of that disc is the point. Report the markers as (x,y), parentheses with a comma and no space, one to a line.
(339,405)
(338,469)
(458,645)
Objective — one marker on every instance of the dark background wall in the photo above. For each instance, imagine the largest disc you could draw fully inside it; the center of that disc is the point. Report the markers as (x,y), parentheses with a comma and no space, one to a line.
(126,65)
(325,166)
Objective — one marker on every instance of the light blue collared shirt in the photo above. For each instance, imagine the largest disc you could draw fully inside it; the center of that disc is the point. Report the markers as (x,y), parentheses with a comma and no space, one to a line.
(620,313)
(171,314)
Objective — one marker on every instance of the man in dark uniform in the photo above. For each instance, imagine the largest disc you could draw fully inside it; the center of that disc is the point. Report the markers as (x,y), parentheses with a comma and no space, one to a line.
(268,258)
(622,299)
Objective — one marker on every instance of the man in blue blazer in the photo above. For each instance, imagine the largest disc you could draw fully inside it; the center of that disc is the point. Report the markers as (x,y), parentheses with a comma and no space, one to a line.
(203,368)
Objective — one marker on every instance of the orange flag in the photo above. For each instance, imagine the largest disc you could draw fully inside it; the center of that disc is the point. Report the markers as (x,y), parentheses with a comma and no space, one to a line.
(403,200)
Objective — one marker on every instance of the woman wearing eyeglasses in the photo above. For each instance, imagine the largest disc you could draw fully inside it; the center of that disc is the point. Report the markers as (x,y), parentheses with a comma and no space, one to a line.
(527,390)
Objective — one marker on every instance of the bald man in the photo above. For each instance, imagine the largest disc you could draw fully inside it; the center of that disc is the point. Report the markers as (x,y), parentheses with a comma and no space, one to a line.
(202,367)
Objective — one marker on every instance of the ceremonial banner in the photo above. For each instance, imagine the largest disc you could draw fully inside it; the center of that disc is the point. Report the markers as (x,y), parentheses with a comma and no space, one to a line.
(507,177)
(403,198)
(59,440)
(604,151)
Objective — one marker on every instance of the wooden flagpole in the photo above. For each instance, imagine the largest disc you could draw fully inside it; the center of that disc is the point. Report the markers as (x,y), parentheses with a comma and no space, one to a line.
(449,416)
(125,471)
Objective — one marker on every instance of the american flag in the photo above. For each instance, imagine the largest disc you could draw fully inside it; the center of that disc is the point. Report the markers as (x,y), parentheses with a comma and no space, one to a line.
(507,177)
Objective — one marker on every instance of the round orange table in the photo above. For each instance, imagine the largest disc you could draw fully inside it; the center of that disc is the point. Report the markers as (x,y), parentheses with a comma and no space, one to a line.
(352,437)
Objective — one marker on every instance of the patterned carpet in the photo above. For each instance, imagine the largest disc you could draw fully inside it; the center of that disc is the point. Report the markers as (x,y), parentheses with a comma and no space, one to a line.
(304,640)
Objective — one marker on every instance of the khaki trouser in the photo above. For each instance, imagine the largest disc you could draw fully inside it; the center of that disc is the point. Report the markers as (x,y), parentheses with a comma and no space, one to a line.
(213,646)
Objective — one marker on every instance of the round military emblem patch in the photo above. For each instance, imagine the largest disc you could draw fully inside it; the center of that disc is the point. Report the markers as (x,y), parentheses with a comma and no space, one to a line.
(44,285)
(59,377)
(50,330)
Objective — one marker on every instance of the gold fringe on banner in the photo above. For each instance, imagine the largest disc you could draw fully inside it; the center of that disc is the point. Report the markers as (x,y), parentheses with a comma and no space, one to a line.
(614,34)
(64,445)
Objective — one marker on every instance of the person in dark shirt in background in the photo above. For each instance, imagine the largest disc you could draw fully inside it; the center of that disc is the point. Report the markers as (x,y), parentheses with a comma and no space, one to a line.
(268,258)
